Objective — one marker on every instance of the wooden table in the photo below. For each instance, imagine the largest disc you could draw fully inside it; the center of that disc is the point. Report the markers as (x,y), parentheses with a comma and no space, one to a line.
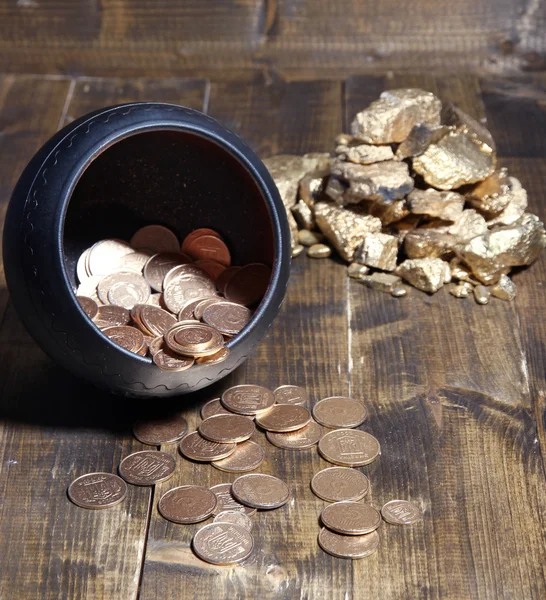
(456,391)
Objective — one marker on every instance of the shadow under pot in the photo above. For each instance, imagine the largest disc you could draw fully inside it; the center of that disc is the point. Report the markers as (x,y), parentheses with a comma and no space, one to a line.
(105,176)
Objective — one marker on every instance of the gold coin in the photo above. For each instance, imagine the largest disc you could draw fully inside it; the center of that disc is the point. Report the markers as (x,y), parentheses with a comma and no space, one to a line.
(97,490)
(196,447)
(187,504)
(226,501)
(222,543)
(162,431)
(248,399)
(155,238)
(339,412)
(350,518)
(247,457)
(226,317)
(349,447)
(235,518)
(127,337)
(291,394)
(284,417)
(260,491)
(227,428)
(401,512)
(340,483)
(147,467)
(348,546)
(296,440)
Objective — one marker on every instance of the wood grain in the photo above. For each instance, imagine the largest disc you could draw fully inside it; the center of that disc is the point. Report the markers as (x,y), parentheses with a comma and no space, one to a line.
(449,391)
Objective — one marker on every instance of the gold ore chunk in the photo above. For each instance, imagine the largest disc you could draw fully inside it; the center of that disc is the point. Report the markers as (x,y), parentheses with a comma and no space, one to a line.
(378,250)
(505,289)
(446,206)
(304,215)
(426,274)
(384,282)
(312,186)
(491,195)
(364,154)
(517,203)
(419,139)
(461,290)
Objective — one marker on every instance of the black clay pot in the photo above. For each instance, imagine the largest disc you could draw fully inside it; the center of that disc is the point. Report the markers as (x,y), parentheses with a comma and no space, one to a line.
(109,173)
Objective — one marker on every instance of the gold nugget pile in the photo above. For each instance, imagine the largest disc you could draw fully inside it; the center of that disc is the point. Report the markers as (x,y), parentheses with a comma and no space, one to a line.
(412,195)
(223,440)
(177,303)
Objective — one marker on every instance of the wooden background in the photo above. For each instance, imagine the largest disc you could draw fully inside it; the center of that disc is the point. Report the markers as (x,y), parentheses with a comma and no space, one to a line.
(337,38)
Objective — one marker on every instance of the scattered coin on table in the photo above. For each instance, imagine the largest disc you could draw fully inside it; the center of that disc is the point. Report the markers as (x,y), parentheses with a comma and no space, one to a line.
(350,518)
(161,431)
(283,418)
(247,456)
(260,491)
(340,483)
(97,490)
(339,412)
(227,428)
(248,399)
(401,512)
(226,500)
(306,437)
(235,518)
(222,543)
(147,467)
(348,546)
(290,394)
(196,447)
(187,504)
(349,447)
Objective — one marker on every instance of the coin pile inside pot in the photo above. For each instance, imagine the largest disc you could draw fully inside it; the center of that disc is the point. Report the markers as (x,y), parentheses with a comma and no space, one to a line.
(412,195)
(223,439)
(177,303)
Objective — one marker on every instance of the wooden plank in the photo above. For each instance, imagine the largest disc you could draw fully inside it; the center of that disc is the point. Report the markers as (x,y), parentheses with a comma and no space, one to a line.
(447,384)
(307,346)
(57,427)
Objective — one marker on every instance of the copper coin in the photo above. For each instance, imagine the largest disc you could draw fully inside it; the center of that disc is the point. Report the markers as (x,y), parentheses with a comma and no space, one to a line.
(127,337)
(193,339)
(227,317)
(189,269)
(111,316)
(222,543)
(260,491)
(296,440)
(127,288)
(401,512)
(235,518)
(224,277)
(88,305)
(155,238)
(348,546)
(248,285)
(103,257)
(211,267)
(182,290)
(339,412)
(350,518)
(97,490)
(227,428)
(196,447)
(187,504)
(248,399)
(349,447)
(198,233)
(291,394)
(155,300)
(340,483)
(159,265)
(209,247)
(226,501)
(163,431)
(156,345)
(135,316)
(212,408)
(284,417)
(134,261)
(247,457)
(156,320)
(186,312)
(167,360)
(147,467)
(214,359)
(199,308)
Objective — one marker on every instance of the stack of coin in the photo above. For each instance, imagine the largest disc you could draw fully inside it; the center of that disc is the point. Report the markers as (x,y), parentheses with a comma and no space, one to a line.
(177,303)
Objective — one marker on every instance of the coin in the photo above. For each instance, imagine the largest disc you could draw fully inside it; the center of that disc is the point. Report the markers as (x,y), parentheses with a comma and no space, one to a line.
(349,447)
(260,491)
(213,407)
(135,261)
(111,316)
(186,312)
(226,317)
(208,247)
(340,483)
(235,518)
(350,518)
(127,287)
(167,360)
(187,504)
(224,277)
(88,287)
(213,268)
(401,512)
(159,265)
(296,440)
(189,269)
(248,285)
(248,399)
(214,359)
(81,270)
(97,490)
(155,300)
(291,394)
(191,338)
(198,233)
(127,337)
(196,447)
(162,431)
(88,305)
(104,256)
(147,467)
(247,457)
(198,310)
(339,412)
(284,417)
(227,428)
(156,345)
(226,501)
(155,238)
(185,288)
(156,320)
(348,546)
(222,543)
